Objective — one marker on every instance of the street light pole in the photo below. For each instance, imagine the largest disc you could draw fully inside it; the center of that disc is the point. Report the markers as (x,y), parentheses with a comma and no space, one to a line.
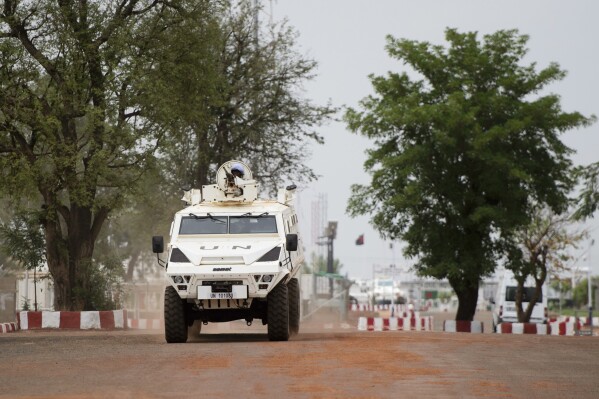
(393,266)
(590,291)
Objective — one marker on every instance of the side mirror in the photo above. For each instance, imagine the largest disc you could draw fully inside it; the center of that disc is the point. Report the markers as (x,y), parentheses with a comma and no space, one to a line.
(157,244)
(291,242)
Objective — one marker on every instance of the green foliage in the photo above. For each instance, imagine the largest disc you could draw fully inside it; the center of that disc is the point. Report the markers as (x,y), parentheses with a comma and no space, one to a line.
(228,95)
(26,306)
(580,293)
(462,152)
(539,249)
(318,264)
(445,296)
(588,199)
(128,232)
(543,245)
(561,285)
(101,285)
(220,94)
(76,132)
(98,95)
(22,240)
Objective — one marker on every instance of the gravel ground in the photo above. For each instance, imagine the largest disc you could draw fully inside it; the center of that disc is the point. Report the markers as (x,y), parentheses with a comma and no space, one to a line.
(233,360)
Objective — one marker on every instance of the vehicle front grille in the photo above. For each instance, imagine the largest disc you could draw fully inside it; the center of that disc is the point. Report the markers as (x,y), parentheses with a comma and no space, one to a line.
(222,260)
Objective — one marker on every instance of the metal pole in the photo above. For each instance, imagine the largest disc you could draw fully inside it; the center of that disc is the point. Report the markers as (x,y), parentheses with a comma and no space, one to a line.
(35,289)
(560,296)
(590,301)
(330,264)
(27,289)
(373,286)
(590,289)
(393,275)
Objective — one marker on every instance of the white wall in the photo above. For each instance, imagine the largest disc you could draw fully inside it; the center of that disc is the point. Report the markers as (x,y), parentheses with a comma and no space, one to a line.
(26,288)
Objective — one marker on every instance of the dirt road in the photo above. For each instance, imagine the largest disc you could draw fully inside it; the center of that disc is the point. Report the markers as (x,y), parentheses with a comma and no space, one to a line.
(241,362)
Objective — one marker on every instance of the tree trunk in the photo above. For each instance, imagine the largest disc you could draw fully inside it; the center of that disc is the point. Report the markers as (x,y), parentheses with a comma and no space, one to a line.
(81,248)
(518,300)
(467,300)
(132,263)
(69,254)
(57,264)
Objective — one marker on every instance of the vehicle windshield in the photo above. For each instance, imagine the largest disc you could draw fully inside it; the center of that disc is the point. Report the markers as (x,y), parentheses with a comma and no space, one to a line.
(203,225)
(245,224)
(510,294)
(252,224)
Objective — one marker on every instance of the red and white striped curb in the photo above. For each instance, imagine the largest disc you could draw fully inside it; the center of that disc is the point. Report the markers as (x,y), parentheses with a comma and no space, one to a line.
(474,326)
(552,328)
(145,324)
(397,309)
(395,323)
(583,320)
(91,320)
(564,327)
(8,327)
(523,328)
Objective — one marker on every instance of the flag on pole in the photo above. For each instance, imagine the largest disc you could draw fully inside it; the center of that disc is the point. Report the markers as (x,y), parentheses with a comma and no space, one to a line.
(360,240)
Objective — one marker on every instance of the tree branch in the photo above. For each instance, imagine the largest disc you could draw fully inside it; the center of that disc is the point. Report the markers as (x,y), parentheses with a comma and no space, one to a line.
(99,220)
(18,31)
(123,11)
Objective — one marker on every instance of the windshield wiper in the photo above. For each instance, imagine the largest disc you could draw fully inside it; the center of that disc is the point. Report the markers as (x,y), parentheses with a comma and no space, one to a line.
(209,216)
(249,215)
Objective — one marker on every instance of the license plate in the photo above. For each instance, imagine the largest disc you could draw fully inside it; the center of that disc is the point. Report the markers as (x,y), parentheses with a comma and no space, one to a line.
(221,295)
(237,292)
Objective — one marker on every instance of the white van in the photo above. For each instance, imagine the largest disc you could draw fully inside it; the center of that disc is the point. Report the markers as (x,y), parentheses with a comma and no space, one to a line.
(504,309)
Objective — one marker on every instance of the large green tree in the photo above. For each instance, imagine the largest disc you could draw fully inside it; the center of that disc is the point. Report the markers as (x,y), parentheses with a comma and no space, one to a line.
(465,143)
(75,126)
(238,97)
(229,90)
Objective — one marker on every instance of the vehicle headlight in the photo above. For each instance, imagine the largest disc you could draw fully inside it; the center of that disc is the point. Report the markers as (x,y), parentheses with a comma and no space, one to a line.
(178,279)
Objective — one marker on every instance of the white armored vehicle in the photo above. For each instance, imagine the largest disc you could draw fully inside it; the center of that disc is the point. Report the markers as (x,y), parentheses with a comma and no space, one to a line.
(232,257)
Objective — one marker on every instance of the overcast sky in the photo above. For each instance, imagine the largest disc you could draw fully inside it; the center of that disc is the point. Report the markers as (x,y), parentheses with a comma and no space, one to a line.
(347,39)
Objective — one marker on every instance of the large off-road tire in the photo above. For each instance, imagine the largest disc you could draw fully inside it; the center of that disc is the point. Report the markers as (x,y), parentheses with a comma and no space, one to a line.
(293,291)
(175,326)
(278,313)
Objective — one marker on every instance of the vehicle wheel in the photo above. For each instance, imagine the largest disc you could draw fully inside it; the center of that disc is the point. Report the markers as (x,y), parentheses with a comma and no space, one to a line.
(278,313)
(294,306)
(175,327)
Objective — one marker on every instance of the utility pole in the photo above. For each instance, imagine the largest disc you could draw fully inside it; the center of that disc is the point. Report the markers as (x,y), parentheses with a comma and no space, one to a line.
(330,233)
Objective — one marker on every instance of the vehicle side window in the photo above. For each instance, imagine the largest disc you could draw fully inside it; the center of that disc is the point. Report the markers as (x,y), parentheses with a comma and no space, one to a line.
(510,294)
